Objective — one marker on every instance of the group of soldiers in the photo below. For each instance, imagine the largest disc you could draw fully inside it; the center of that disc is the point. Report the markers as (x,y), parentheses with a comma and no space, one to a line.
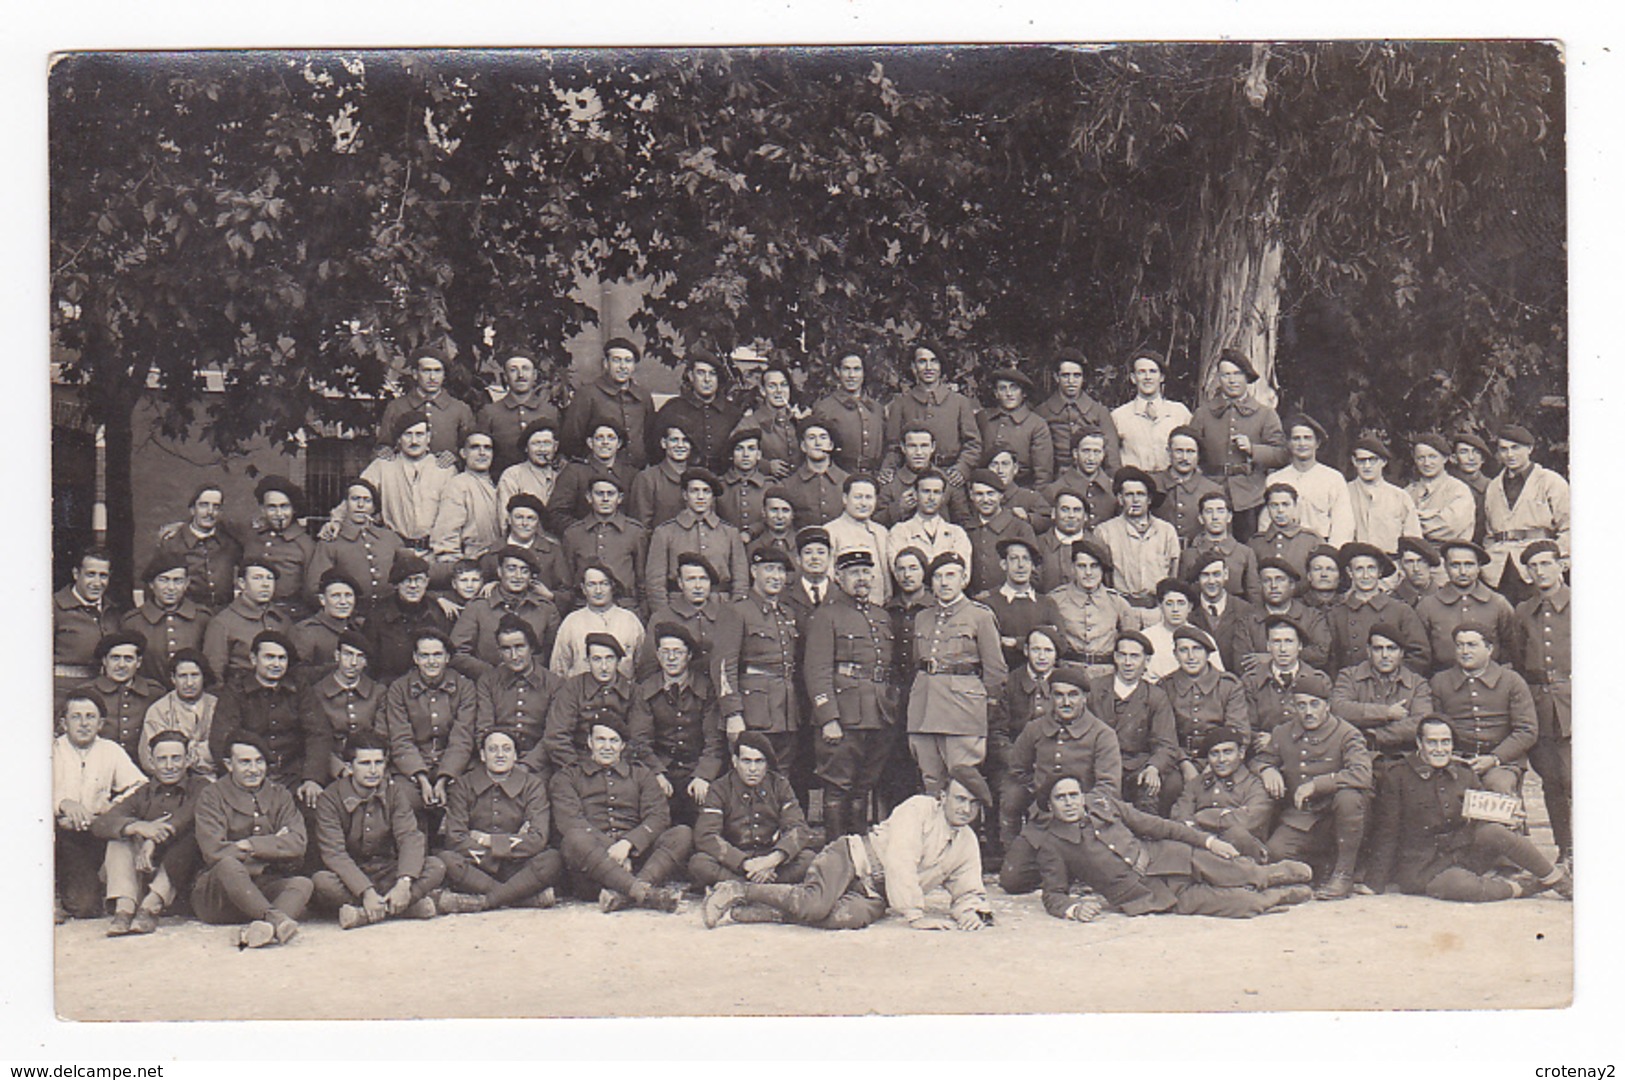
(1141,659)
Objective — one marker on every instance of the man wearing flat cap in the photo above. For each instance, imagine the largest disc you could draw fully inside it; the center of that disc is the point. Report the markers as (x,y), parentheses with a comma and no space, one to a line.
(1140,864)
(474,638)
(704,411)
(1241,439)
(168,619)
(696,529)
(1418,560)
(815,487)
(991,521)
(960,669)
(614,397)
(608,536)
(1524,503)
(1010,424)
(615,826)
(856,421)
(1444,504)
(1382,697)
(1367,603)
(849,660)
(1323,492)
(1070,410)
(1278,585)
(342,703)
(1490,709)
(677,705)
(1214,538)
(410,481)
(360,548)
(601,614)
(1464,598)
(757,645)
(1545,662)
(1137,710)
(750,825)
(1144,549)
(602,692)
(393,623)
(926,843)
(227,638)
(950,415)
(125,692)
(1320,764)
(1283,535)
(1228,799)
(1382,512)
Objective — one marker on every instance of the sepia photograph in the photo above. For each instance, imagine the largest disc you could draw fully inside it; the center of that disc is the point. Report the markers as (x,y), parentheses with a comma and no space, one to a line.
(810,531)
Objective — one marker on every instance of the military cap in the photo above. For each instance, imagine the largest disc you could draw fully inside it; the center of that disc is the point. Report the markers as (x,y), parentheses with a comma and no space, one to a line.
(524,555)
(1313,683)
(407,421)
(1324,551)
(777,491)
(1478,552)
(606,478)
(1072,675)
(1135,635)
(1516,433)
(1218,737)
(1196,634)
(1015,375)
(704,476)
(1305,420)
(259,559)
(1354,549)
(967,777)
(1094,549)
(674,630)
(274,637)
(162,563)
(624,344)
(363,482)
(1420,547)
(763,555)
(946,558)
(1386,631)
(608,641)
(1185,431)
(807,423)
(694,558)
(528,501)
(1467,438)
(1373,445)
(1275,562)
(604,422)
(1539,547)
(112,641)
(334,576)
(613,723)
(1134,472)
(1239,359)
(1203,559)
(846,560)
(407,565)
(812,534)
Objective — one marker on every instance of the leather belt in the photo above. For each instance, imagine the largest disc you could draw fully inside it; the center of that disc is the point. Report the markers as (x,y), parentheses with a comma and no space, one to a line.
(1089,657)
(73,671)
(770,671)
(1546,680)
(933,667)
(861,671)
(1519,534)
(1238,470)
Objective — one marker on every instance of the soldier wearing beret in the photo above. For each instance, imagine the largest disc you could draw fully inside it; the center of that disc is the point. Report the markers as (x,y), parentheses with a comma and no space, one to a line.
(1016,604)
(316,636)
(536,475)
(187,709)
(856,421)
(814,489)
(1090,615)
(1323,581)
(1228,799)
(745,485)
(1201,696)
(1010,424)
(615,826)
(697,607)
(702,410)
(168,619)
(342,703)
(1422,843)
(1284,536)
(474,638)
(756,646)
(510,417)
(750,824)
(266,704)
(1138,710)
(1278,586)
(1241,439)
(226,639)
(1444,504)
(1468,456)
(615,398)
(1464,598)
(1418,560)
(1544,661)
(609,537)
(360,548)
(429,716)
(678,705)
(1070,409)
(1087,477)
(960,669)
(1271,685)
(657,491)
(276,535)
(498,820)
(990,523)
(950,415)
(124,691)
(1524,503)
(602,692)
(1383,512)
(410,481)
(1183,484)
(696,529)
(600,614)
(849,658)
(1366,604)
(1322,766)
(608,457)
(1143,865)
(1382,697)
(925,843)
(1144,549)
(1322,491)
(1489,707)
(393,621)
(448,418)
(1214,539)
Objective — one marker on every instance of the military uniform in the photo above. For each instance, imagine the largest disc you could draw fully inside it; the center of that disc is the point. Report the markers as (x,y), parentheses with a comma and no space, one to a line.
(1099,502)
(167,633)
(570,501)
(657,494)
(757,647)
(1449,607)
(1239,560)
(892,508)
(474,638)
(392,629)
(740,503)
(211,564)
(236,887)
(335,713)
(516,811)
(709,537)
(1490,713)
(1182,506)
(1363,696)
(76,627)
(1146,736)
(704,623)
(984,541)
(1292,546)
(1546,664)
(273,713)
(1086,749)
(960,669)
(229,637)
(127,705)
(316,638)
(616,541)
(430,727)
(857,424)
(951,418)
(1352,618)
(1069,417)
(850,652)
(1250,636)
(708,424)
(517,701)
(290,551)
(816,496)
(1269,694)
(1217,422)
(1236,809)
(363,553)
(370,840)
(1090,621)
(685,735)
(578,704)
(739,822)
(506,419)
(1213,699)
(1335,759)
(629,407)
(450,418)
(1026,435)
(600,805)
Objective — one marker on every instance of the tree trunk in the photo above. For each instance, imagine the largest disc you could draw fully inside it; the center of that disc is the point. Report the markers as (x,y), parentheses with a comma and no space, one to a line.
(116,407)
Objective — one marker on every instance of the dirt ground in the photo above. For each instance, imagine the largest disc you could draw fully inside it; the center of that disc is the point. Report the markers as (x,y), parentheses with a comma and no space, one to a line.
(1388,952)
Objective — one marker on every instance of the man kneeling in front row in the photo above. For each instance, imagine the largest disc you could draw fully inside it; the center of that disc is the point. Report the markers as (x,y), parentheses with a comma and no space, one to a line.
(926,842)
(376,856)
(1141,864)
(1422,843)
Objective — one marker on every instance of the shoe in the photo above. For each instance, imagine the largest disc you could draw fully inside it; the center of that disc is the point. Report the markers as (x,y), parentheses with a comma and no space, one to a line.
(256,935)
(722,897)
(145,921)
(1336,887)
(1289,895)
(1287,872)
(121,924)
(285,928)
(354,915)
(658,899)
(545,899)
(609,900)
(447,902)
(1530,885)
(421,909)
(1564,886)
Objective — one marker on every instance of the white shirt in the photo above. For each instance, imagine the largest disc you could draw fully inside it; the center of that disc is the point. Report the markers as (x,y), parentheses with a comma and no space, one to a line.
(92,777)
(570,646)
(1323,500)
(932,537)
(847,533)
(1143,426)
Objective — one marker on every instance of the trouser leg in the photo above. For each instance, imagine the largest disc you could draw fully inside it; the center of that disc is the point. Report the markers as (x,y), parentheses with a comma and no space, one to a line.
(670,852)
(1209,869)
(852,911)
(329,892)
(118,867)
(1552,759)
(1013,803)
(1504,780)
(227,893)
(705,870)
(79,857)
(1499,842)
(811,901)
(1289,842)
(1173,786)
(1348,825)
(586,855)
(461,874)
(288,895)
(1246,843)
(527,879)
(176,871)
(1019,872)
(433,875)
(928,754)
(1194,898)
(1467,887)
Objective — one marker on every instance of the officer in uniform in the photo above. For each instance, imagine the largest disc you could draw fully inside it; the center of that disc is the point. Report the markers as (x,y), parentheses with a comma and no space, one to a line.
(757,647)
(849,657)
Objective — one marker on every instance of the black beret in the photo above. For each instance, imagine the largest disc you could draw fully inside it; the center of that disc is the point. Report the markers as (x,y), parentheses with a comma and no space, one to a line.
(1386,631)
(1435,440)
(1272,621)
(1135,635)
(1275,562)
(1373,445)
(764,555)
(1239,359)
(742,435)
(967,777)
(259,559)
(604,422)
(1539,547)
(1094,549)
(524,555)
(1478,552)
(806,423)
(758,741)
(1134,472)
(606,478)
(1305,420)
(112,641)
(162,564)
(704,476)
(1314,683)
(1201,560)
(541,423)
(1071,355)
(1188,432)
(334,576)
(694,558)
(1468,438)
(1218,737)
(1354,549)
(611,721)
(986,476)
(273,637)
(1196,634)
(407,565)
(1072,675)
(1324,551)
(406,421)
(622,343)
(946,558)
(608,641)
(1015,375)
(777,491)
(528,501)
(363,482)
(283,484)
(1516,433)
(356,640)
(674,630)
(513,624)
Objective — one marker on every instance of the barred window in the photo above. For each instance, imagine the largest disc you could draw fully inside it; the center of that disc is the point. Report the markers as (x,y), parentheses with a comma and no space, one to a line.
(330,464)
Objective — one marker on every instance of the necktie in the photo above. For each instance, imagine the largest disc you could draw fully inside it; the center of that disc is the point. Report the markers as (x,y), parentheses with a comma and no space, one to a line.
(1213,611)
